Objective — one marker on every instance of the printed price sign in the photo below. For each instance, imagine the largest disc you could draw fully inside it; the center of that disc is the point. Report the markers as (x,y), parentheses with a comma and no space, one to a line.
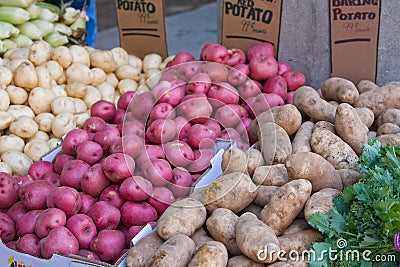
(354,38)
(141,26)
(246,22)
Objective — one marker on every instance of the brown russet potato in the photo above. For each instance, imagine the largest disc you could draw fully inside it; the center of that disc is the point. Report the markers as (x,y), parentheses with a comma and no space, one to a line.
(339,90)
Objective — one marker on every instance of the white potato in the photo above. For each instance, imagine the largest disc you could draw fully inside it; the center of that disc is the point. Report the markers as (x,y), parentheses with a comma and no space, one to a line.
(99,76)
(11,142)
(39,135)
(20,110)
(18,96)
(19,52)
(44,76)
(128,72)
(79,54)
(63,56)
(112,79)
(89,49)
(81,118)
(143,88)
(39,53)
(104,60)
(40,100)
(62,79)
(151,61)
(76,89)
(53,143)
(36,149)
(18,161)
(25,76)
(80,106)
(5,120)
(142,79)
(153,76)
(54,68)
(24,127)
(45,121)
(5,167)
(121,56)
(165,62)
(107,91)
(79,72)
(13,64)
(59,90)
(127,85)
(63,104)
(6,76)
(62,124)
(4,100)
(116,98)
(92,96)
(136,62)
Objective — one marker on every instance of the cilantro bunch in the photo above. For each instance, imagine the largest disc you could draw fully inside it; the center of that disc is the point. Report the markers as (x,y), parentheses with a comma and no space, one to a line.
(365,216)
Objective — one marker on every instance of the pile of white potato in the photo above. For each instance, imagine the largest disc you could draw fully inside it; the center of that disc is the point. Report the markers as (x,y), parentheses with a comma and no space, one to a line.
(46,92)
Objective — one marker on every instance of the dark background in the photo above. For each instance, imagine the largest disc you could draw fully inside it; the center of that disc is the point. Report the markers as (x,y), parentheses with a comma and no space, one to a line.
(107,17)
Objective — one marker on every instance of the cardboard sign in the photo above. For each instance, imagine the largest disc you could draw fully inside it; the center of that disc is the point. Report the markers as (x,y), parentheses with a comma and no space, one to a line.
(354,38)
(246,22)
(141,26)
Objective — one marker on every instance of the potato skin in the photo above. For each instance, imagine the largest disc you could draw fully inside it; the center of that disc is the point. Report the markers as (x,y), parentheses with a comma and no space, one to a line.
(233,191)
(308,101)
(275,143)
(144,249)
(388,128)
(254,160)
(301,141)
(243,261)
(339,90)
(222,227)
(183,217)
(264,194)
(253,237)
(314,168)
(299,241)
(253,208)
(350,127)
(286,204)
(391,115)
(349,176)
(326,125)
(297,225)
(321,201)
(332,148)
(212,253)
(271,175)
(366,116)
(176,251)
(393,139)
(200,237)
(366,85)
(234,160)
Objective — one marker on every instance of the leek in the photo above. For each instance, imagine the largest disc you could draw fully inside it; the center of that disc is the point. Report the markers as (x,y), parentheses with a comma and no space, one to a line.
(79,26)
(21,40)
(70,15)
(56,39)
(17,3)
(8,45)
(34,11)
(62,28)
(14,15)
(47,15)
(51,7)
(44,26)
(7,29)
(31,30)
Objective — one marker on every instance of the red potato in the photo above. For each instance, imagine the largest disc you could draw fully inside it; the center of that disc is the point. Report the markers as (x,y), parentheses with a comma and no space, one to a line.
(8,190)
(243,127)
(182,127)
(282,67)
(89,152)
(66,199)
(276,84)
(83,228)
(119,116)
(72,140)
(90,255)
(195,177)
(39,168)
(201,136)
(125,100)
(87,202)
(202,160)
(180,183)
(263,68)
(242,145)
(106,137)
(16,211)
(235,56)
(214,126)
(60,162)
(94,180)
(217,72)
(187,70)
(7,228)
(228,116)
(157,171)
(131,233)
(49,219)
(12,245)
(61,241)
(94,125)
(104,215)
(29,244)
(131,128)
(161,199)
(72,173)
(53,178)
(223,93)
(103,109)
(136,188)
(149,152)
(181,57)
(141,106)
(34,194)
(195,108)
(171,93)
(289,98)
(162,111)
(128,144)
(264,102)
(214,52)
(243,112)
(21,180)
(248,89)
(294,79)
(261,50)
(239,74)
(26,224)
(178,153)
(108,244)
(161,131)
(200,83)
(119,166)
(229,134)
(112,195)
(137,213)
